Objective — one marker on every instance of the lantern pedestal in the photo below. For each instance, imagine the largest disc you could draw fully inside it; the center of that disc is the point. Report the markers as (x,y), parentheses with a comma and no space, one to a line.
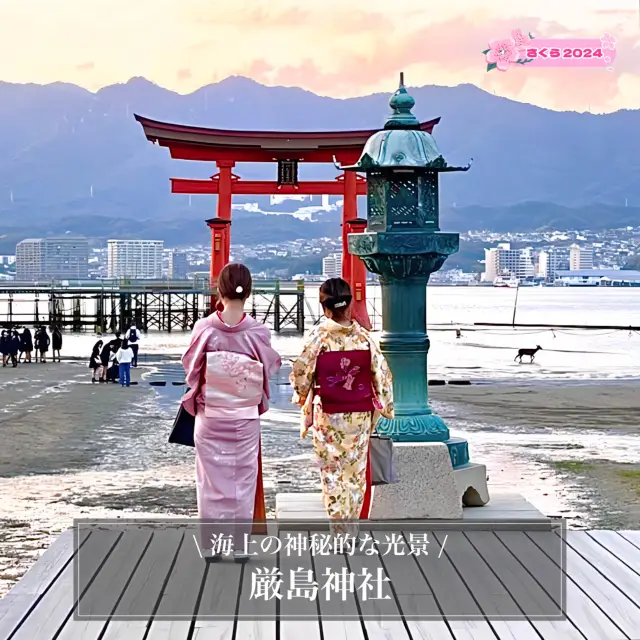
(426,489)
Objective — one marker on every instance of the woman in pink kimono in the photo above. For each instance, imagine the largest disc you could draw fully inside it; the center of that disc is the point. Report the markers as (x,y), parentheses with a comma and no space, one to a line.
(341,380)
(227,366)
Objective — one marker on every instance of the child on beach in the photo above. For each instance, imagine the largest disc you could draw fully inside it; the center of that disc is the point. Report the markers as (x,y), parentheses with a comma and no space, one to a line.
(56,343)
(42,343)
(124,356)
(27,344)
(14,347)
(95,362)
(4,347)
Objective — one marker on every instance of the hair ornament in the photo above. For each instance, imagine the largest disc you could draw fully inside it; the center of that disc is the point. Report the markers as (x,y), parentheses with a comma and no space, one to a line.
(238,289)
(339,304)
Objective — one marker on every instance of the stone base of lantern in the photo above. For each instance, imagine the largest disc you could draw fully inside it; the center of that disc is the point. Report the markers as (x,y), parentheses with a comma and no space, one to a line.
(427,486)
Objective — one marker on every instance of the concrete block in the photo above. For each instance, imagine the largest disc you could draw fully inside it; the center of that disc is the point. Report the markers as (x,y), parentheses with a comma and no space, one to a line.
(426,489)
(471,482)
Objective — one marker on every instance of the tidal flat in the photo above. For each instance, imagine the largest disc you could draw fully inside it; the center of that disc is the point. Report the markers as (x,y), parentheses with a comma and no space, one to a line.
(72,449)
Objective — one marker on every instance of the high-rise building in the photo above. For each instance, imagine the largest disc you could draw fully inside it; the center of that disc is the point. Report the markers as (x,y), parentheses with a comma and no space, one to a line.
(332,266)
(178,265)
(135,259)
(552,260)
(52,259)
(503,261)
(580,258)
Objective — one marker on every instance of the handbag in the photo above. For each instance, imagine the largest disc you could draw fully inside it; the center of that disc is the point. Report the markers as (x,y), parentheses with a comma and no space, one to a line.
(183,428)
(383,470)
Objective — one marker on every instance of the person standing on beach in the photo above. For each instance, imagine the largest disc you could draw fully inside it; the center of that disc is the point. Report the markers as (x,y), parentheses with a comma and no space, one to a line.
(227,366)
(95,362)
(20,344)
(340,381)
(104,359)
(14,347)
(56,343)
(113,370)
(4,347)
(42,343)
(27,344)
(133,338)
(124,356)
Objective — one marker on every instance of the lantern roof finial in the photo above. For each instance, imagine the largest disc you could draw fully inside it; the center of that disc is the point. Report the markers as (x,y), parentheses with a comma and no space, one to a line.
(401,104)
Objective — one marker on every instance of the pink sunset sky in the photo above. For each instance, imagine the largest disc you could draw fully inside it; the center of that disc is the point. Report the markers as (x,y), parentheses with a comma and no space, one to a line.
(333,48)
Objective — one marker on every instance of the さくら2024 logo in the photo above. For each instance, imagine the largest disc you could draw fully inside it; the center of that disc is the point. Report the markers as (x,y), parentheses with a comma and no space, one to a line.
(549,52)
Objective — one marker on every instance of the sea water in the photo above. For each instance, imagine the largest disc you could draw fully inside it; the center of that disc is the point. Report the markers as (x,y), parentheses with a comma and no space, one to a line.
(484,352)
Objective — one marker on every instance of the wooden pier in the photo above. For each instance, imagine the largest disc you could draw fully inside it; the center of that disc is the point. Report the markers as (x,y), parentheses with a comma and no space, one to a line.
(95,306)
(602,599)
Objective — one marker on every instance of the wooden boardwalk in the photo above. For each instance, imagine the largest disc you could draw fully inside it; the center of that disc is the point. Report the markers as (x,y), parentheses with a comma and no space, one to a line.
(602,592)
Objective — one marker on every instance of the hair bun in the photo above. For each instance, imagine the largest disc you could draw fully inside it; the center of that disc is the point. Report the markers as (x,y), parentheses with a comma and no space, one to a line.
(238,289)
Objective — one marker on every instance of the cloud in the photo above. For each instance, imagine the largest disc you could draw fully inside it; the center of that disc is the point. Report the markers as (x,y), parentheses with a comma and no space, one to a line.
(86,66)
(262,18)
(617,12)
(450,53)
(183,74)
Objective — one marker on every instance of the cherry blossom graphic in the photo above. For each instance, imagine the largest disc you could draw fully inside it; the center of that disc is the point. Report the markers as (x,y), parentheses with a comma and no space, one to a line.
(608,41)
(506,51)
(520,39)
(607,59)
(502,53)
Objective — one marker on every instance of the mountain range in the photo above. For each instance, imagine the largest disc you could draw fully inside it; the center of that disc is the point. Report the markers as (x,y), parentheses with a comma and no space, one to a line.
(76,161)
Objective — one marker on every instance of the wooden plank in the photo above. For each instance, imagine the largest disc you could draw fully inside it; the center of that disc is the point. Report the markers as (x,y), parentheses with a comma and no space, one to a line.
(414,595)
(221,593)
(625,579)
(452,595)
(57,604)
(528,586)
(490,594)
(609,599)
(30,588)
(295,556)
(339,618)
(179,599)
(142,596)
(620,547)
(631,536)
(41,574)
(102,596)
(257,616)
(373,610)
(580,609)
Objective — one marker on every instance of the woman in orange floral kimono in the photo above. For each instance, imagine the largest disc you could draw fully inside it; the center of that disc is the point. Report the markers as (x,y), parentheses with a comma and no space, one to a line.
(341,381)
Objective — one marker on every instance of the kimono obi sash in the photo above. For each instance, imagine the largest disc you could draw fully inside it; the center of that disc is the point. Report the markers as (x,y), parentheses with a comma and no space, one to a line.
(233,386)
(344,382)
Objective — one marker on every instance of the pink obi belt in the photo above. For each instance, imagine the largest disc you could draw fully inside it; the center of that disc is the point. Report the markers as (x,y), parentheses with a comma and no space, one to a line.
(343,381)
(234,386)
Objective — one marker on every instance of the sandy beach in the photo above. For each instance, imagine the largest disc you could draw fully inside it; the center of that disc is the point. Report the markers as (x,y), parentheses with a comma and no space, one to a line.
(76,450)
(582,437)
(73,450)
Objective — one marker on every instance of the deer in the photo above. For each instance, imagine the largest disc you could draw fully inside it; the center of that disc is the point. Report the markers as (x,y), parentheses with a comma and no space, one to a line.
(527,352)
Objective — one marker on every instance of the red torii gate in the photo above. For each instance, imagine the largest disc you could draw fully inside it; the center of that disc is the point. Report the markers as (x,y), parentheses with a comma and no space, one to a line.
(287,149)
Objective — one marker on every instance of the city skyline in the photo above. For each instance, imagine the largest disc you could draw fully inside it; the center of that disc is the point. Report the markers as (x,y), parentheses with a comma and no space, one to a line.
(322,47)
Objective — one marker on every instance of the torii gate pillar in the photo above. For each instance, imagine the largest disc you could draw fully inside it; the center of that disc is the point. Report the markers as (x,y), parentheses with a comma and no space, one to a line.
(353,269)
(220,243)
(358,277)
